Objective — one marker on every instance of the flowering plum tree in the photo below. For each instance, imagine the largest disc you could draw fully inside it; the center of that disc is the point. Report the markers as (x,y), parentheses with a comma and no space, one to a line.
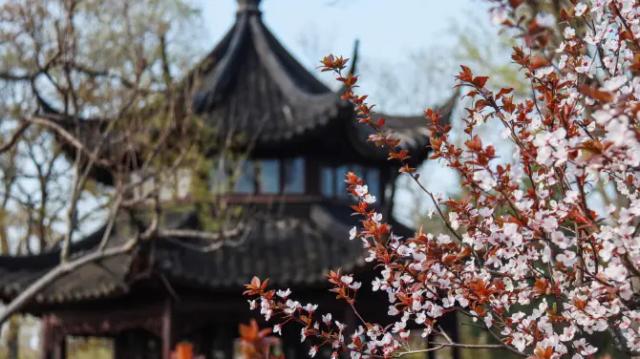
(528,255)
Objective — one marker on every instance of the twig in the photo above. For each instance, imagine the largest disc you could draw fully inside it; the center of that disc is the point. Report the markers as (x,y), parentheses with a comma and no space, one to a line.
(439,346)
(14,138)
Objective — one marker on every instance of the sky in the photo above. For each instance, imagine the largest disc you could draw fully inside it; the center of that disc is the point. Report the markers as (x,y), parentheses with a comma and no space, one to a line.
(386,28)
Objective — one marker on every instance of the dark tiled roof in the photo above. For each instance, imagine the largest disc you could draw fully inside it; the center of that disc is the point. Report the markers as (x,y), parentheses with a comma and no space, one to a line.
(94,280)
(287,249)
(251,84)
(291,250)
(413,131)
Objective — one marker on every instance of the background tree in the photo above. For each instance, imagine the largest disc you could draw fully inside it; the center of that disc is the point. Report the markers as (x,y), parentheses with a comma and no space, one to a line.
(93,119)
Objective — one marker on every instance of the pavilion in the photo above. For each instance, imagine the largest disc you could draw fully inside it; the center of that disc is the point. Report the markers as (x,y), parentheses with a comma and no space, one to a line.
(170,290)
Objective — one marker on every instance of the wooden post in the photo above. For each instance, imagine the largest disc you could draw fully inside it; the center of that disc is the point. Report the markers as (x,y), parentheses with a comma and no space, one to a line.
(53,345)
(312,178)
(60,349)
(45,339)
(387,180)
(167,329)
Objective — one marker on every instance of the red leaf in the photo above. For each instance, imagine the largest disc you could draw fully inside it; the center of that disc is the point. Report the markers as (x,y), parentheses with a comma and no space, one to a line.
(474,144)
(480,81)
(537,62)
(465,75)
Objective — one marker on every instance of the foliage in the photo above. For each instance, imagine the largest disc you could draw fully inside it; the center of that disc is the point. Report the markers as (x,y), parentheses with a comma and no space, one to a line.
(92,61)
(527,255)
(258,343)
(86,86)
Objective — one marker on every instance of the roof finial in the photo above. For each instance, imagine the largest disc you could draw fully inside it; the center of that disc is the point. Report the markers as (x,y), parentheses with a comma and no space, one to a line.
(248,5)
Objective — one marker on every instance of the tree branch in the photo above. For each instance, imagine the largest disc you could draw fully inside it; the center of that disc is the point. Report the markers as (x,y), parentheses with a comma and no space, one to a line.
(438,346)
(63,268)
(66,136)
(14,138)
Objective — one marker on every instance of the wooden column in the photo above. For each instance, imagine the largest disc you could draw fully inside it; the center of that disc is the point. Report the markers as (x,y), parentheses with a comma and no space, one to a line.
(312,177)
(387,180)
(45,338)
(450,325)
(225,338)
(54,345)
(205,341)
(60,349)
(167,329)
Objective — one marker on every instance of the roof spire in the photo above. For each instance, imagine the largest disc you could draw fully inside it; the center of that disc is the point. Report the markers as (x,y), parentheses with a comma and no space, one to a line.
(248,5)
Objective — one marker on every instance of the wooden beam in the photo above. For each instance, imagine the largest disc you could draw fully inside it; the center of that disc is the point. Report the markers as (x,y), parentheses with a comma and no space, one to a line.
(167,329)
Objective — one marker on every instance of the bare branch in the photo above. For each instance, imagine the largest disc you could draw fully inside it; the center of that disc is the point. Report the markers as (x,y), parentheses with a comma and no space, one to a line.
(67,137)
(15,137)
(63,268)
(438,346)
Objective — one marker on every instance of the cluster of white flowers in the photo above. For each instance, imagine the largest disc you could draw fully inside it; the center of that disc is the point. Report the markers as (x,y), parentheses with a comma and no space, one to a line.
(362,191)
(588,264)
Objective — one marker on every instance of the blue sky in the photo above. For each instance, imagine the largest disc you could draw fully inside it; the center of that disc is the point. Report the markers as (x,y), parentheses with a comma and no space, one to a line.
(386,28)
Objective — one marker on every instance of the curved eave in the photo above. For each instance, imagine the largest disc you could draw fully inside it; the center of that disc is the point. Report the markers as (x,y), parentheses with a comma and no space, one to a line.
(111,140)
(87,132)
(413,132)
(100,279)
(19,272)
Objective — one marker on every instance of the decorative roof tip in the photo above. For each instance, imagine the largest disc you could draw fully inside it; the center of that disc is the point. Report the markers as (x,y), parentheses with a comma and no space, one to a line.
(249,6)
(354,57)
